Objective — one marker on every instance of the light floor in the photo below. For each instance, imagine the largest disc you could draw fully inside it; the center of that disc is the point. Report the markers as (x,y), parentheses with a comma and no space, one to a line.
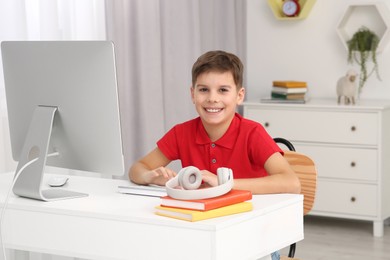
(340,239)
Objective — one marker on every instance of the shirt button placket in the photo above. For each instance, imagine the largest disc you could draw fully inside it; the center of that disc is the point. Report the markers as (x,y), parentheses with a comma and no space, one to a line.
(213,159)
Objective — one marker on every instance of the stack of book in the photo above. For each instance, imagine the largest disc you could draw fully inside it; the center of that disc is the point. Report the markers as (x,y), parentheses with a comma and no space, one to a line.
(233,202)
(289,91)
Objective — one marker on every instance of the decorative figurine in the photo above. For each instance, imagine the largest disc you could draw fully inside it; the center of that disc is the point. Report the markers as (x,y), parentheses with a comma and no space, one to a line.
(347,87)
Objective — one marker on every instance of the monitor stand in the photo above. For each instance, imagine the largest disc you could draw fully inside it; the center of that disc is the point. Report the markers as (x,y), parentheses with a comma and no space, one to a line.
(30,169)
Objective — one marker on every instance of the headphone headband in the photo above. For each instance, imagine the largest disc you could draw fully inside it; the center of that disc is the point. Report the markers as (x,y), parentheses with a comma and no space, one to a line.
(225,175)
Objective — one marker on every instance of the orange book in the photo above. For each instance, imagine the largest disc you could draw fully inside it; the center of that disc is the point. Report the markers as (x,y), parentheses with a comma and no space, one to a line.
(195,215)
(232,197)
(290,84)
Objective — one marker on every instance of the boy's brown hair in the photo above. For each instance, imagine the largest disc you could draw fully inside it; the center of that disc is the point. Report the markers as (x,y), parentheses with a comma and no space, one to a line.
(219,61)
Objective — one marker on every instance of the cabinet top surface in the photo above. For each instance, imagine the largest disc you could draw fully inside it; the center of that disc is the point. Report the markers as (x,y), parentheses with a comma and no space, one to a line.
(328,104)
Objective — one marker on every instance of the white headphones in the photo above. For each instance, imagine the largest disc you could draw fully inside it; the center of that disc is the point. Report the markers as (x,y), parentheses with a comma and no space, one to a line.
(190,178)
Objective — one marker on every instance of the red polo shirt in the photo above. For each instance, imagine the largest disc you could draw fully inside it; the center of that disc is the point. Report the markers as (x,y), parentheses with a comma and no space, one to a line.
(244,148)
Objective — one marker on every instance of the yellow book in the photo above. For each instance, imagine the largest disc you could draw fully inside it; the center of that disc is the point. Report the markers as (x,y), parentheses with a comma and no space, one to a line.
(195,215)
(290,84)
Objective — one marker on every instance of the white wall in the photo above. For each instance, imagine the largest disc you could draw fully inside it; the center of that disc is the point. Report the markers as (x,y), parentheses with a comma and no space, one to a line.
(308,50)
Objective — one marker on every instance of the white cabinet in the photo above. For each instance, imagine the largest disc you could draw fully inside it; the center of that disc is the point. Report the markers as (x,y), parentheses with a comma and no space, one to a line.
(350,146)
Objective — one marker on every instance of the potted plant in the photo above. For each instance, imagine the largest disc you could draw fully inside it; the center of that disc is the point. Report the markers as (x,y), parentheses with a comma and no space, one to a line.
(361,48)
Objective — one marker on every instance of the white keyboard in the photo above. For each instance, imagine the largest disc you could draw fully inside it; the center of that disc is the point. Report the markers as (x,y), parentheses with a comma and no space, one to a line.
(154,191)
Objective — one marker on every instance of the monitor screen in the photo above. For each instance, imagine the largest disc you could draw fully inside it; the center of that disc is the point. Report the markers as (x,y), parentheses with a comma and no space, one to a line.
(63,109)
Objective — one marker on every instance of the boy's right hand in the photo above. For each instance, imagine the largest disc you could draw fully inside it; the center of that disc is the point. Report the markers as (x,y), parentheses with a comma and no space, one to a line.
(159,176)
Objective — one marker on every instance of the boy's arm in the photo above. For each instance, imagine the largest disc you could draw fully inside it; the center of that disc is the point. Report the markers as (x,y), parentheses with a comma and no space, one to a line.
(281,179)
(151,169)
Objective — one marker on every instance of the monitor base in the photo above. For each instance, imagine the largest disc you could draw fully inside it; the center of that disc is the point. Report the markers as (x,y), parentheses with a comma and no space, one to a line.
(32,161)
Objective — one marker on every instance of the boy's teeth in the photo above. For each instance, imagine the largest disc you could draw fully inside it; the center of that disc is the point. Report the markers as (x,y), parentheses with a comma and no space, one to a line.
(213,110)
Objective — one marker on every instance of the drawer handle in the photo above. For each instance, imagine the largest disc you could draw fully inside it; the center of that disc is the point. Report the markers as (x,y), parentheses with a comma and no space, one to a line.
(266,124)
(353,164)
(353,199)
(353,128)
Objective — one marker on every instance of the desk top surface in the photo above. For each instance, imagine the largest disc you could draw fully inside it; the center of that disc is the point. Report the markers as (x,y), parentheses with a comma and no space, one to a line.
(105,202)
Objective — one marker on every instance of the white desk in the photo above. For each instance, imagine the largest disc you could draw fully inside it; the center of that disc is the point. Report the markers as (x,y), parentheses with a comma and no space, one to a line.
(109,225)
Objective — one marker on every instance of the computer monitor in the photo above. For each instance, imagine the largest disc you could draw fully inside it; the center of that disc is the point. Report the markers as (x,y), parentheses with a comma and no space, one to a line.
(63,111)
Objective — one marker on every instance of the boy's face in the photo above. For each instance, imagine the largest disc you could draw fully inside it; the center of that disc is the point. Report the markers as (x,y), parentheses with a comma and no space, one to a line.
(216,97)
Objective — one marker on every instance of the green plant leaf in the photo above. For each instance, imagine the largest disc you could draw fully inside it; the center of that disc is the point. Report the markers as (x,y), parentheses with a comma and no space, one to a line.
(361,47)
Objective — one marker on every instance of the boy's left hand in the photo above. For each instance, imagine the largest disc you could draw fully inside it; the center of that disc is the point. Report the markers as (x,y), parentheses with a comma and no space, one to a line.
(209,178)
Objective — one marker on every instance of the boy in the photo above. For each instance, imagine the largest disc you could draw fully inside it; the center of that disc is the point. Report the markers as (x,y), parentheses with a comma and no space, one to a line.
(219,137)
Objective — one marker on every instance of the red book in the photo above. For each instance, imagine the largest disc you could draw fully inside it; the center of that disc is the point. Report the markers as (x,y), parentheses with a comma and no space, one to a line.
(232,197)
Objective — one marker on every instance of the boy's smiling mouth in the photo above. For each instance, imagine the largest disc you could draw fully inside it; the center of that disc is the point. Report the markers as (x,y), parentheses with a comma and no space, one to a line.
(213,110)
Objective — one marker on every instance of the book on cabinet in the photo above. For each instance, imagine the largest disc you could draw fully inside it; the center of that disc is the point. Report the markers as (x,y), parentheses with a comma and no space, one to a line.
(288,96)
(283,90)
(289,84)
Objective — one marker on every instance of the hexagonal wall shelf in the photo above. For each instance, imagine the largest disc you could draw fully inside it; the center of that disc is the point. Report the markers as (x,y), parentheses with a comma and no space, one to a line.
(276,7)
(375,16)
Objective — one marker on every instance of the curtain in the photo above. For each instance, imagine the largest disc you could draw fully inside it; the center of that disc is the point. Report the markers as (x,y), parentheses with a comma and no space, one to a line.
(156,43)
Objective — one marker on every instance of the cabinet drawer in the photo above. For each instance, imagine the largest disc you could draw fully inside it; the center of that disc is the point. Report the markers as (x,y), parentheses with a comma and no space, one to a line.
(343,162)
(346,198)
(318,126)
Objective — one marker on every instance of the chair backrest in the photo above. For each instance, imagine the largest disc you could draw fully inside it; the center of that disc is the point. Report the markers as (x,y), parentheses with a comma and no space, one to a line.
(306,171)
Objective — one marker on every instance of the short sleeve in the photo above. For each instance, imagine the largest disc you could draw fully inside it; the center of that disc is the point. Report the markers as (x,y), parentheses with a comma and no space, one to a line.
(168,145)
(261,146)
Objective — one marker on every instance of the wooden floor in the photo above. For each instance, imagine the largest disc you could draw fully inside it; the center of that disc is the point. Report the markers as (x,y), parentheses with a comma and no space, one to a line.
(340,239)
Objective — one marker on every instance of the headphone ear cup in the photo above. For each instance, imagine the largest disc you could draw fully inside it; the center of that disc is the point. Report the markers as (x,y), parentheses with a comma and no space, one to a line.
(190,178)
(223,175)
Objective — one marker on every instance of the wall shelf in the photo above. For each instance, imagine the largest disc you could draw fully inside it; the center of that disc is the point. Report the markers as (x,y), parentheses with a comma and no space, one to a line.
(276,7)
(374,16)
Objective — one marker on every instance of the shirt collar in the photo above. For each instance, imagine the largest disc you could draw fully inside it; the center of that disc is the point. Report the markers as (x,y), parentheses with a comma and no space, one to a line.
(227,140)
